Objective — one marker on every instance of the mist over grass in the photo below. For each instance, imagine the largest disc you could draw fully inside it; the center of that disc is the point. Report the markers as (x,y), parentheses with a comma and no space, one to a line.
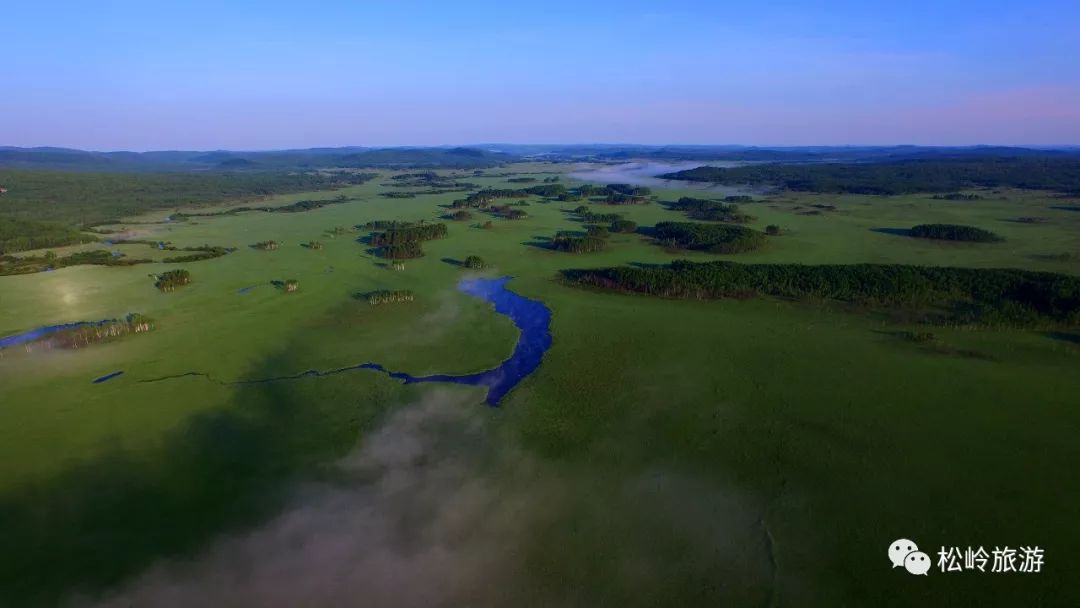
(436,508)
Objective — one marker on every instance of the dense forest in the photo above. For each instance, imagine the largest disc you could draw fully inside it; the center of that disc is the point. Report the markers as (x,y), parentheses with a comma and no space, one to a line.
(1047,173)
(401,240)
(44,208)
(955,295)
(623,226)
(24,235)
(712,238)
(954,232)
(711,210)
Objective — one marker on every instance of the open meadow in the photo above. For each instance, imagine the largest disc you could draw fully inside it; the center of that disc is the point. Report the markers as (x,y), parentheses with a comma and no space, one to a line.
(742,451)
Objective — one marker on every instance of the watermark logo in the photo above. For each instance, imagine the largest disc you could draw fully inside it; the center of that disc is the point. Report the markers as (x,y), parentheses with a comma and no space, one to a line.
(904,553)
(1024,559)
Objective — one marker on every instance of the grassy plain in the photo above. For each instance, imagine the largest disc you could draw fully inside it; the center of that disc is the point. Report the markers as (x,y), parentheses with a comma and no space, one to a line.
(738,452)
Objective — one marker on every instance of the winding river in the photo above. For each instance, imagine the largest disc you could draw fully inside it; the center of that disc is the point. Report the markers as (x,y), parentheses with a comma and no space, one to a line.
(531,317)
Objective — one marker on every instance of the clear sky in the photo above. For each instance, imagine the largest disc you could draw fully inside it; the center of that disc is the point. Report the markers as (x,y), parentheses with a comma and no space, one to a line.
(256,75)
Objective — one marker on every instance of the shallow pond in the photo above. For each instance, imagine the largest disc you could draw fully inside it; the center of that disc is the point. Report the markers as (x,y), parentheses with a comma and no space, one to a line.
(36,334)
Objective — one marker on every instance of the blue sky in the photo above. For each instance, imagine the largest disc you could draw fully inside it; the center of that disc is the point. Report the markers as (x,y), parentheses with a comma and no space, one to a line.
(259,75)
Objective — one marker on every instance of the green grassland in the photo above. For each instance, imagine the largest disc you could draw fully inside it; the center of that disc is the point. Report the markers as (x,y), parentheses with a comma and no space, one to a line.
(754,452)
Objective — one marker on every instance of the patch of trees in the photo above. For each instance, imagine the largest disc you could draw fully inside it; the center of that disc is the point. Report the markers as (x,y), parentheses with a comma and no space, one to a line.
(171,279)
(901,177)
(266,245)
(429,179)
(954,232)
(956,196)
(12,265)
(623,226)
(409,233)
(985,296)
(316,245)
(487,196)
(509,213)
(711,238)
(710,210)
(396,240)
(576,244)
(386,296)
(383,225)
(772,230)
(628,190)
(86,334)
(461,215)
(206,252)
(549,190)
(585,214)
(401,251)
(291,285)
(600,232)
(474,262)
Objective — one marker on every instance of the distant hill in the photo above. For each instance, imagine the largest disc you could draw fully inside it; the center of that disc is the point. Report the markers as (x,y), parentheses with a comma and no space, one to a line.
(167,161)
(610,152)
(1059,173)
(486,155)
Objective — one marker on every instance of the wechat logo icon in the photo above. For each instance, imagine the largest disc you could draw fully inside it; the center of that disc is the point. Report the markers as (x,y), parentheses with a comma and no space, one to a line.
(904,553)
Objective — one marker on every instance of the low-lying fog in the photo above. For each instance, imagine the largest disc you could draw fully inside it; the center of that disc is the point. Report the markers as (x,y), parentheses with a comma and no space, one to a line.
(643,173)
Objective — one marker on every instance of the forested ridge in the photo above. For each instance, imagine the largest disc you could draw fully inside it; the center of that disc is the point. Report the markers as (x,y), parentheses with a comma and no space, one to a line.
(46,208)
(961,295)
(1059,174)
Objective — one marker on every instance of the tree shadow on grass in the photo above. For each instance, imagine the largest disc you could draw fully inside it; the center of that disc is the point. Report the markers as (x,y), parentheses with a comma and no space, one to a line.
(893,231)
(1064,336)
(1066,207)
(540,244)
(103,521)
(453,262)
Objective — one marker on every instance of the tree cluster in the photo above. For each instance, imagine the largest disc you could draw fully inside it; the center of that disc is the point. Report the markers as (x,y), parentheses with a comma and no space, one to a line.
(954,232)
(901,177)
(386,296)
(171,279)
(712,238)
(710,210)
(967,295)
